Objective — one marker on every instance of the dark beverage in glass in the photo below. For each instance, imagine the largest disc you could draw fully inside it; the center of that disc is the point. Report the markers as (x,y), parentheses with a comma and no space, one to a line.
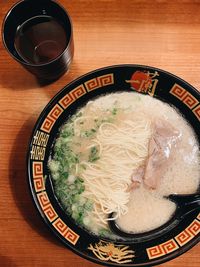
(38,34)
(40,39)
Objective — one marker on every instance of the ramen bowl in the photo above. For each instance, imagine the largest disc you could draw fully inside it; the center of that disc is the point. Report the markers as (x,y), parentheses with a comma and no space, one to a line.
(142,250)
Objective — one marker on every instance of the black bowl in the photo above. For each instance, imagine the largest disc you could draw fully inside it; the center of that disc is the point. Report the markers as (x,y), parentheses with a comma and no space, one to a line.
(131,252)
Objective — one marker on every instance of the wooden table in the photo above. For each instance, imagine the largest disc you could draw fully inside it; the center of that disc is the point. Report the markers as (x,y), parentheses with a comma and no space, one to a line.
(164,34)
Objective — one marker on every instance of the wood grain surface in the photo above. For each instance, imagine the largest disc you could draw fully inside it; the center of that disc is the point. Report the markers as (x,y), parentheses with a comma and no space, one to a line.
(163,34)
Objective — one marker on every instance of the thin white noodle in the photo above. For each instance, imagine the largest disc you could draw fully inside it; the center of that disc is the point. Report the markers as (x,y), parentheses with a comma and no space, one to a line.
(121,149)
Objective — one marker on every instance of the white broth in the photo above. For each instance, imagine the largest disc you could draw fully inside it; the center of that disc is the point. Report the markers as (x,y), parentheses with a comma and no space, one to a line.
(123,153)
